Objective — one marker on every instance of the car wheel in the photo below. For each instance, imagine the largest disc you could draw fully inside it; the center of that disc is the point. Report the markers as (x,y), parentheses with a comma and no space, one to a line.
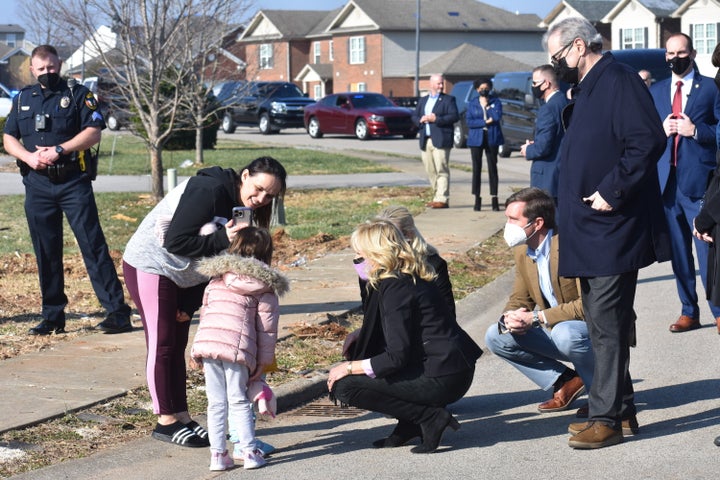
(314,128)
(228,126)
(112,122)
(503,151)
(264,124)
(459,139)
(361,129)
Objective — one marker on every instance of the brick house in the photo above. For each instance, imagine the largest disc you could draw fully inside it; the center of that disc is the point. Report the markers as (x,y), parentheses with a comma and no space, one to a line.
(14,57)
(370,44)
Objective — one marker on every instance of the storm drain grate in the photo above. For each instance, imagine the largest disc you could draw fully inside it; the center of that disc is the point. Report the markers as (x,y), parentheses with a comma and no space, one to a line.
(327,409)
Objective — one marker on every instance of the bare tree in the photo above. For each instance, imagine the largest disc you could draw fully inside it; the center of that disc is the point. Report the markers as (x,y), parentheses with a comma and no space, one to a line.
(41,23)
(151,53)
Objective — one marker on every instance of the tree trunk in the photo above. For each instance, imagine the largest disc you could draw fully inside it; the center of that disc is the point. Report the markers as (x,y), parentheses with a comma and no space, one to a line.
(156,171)
(199,157)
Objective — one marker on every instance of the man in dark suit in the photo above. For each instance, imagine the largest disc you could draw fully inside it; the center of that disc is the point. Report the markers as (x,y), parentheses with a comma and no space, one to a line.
(689,105)
(612,223)
(436,114)
(544,149)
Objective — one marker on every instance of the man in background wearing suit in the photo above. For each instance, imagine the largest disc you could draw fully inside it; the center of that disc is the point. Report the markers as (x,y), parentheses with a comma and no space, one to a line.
(436,114)
(689,106)
(543,321)
(544,149)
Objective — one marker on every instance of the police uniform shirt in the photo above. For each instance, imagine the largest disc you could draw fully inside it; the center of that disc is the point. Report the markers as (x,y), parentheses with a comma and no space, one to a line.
(60,108)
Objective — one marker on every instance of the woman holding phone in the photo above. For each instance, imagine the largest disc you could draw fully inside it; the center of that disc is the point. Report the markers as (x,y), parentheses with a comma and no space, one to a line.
(159,267)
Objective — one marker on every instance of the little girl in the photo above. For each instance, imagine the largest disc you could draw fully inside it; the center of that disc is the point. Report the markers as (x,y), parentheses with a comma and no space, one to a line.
(236,338)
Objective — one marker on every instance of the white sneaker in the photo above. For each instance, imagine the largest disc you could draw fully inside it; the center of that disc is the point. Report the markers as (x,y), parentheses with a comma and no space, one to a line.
(253,459)
(221,461)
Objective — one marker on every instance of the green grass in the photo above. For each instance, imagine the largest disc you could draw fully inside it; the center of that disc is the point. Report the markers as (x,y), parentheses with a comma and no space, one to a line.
(127,155)
(308,213)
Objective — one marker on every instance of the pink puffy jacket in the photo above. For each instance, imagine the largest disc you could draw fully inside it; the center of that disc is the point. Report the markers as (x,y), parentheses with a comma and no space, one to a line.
(240,311)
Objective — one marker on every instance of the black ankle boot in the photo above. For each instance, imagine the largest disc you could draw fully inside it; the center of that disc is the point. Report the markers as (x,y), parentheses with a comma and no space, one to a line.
(403,433)
(495,204)
(478,203)
(433,429)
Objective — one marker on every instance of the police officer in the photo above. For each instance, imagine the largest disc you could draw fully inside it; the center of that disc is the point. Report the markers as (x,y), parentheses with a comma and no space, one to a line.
(49,130)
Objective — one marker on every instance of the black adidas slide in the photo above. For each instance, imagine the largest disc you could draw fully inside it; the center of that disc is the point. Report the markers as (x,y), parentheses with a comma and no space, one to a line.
(178,434)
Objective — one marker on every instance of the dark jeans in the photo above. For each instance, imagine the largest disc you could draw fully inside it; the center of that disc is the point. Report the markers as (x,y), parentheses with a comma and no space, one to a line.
(408,396)
(491,152)
(608,305)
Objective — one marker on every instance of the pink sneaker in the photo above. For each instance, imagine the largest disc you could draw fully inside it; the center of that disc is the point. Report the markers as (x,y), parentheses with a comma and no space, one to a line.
(221,461)
(253,459)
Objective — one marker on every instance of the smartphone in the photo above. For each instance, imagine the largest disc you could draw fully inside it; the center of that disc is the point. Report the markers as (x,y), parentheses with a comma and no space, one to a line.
(242,215)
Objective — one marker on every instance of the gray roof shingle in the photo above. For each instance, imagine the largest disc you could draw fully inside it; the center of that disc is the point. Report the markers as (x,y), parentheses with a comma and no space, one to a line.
(468,59)
(592,10)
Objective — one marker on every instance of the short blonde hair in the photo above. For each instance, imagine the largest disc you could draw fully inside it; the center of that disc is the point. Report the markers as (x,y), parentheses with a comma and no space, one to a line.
(384,246)
(403,219)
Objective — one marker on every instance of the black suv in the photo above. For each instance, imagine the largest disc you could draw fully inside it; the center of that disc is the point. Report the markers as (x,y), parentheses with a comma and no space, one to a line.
(520,107)
(271,106)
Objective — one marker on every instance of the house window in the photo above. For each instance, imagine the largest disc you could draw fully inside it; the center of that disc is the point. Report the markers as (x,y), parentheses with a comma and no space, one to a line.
(316,52)
(331,53)
(633,38)
(705,37)
(358,87)
(317,91)
(10,39)
(357,50)
(266,56)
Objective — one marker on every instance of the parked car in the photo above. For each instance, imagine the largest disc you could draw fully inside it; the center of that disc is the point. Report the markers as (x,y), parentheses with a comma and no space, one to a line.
(271,106)
(112,104)
(5,101)
(363,114)
(520,107)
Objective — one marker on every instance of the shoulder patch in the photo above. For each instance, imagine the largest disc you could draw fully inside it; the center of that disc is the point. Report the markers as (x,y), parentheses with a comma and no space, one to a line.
(90,101)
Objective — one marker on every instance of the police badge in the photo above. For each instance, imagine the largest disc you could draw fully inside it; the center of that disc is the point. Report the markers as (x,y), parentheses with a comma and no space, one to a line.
(90,101)
(64,102)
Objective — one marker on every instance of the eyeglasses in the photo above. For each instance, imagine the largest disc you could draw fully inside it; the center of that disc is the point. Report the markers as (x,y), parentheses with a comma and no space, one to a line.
(554,58)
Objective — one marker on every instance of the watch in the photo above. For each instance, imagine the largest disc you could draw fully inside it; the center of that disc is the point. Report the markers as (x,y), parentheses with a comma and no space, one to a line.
(349,368)
(59,150)
(536,319)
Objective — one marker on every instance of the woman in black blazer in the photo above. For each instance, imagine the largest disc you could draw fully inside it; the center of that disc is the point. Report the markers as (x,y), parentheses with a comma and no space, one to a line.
(427,361)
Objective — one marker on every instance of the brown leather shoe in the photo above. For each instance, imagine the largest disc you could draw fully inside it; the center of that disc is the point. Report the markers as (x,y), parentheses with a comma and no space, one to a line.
(630,427)
(564,396)
(596,435)
(717,321)
(685,324)
(436,205)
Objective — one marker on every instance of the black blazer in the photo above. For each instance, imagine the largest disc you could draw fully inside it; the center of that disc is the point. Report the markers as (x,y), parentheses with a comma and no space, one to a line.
(418,331)
(441,131)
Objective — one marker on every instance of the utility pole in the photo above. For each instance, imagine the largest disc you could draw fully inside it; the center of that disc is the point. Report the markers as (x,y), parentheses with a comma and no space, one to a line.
(417,48)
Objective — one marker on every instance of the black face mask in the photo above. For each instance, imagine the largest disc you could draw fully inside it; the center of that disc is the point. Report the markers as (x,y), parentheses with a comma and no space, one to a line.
(537,92)
(484,93)
(49,80)
(565,73)
(717,79)
(679,65)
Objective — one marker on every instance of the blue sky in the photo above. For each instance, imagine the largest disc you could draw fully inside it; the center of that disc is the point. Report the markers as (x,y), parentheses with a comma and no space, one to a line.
(10,8)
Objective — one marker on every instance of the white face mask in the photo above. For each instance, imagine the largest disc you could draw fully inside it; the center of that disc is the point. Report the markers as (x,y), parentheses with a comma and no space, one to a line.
(514,235)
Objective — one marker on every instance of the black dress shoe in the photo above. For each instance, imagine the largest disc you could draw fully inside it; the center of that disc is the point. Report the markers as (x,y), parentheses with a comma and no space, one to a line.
(115,322)
(433,429)
(46,328)
(403,433)
(717,441)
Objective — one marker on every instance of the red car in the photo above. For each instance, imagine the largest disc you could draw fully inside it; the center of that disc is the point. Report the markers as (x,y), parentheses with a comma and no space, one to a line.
(360,113)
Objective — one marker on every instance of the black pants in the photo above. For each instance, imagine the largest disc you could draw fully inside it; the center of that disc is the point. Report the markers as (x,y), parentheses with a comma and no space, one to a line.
(491,152)
(608,304)
(45,204)
(408,396)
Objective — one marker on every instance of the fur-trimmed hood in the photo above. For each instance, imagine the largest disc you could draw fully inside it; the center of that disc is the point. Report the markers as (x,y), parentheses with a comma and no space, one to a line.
(218,265)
